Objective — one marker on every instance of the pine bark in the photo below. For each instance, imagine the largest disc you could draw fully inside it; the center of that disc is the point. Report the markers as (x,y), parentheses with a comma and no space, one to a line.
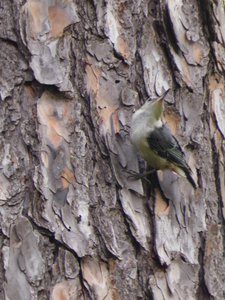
(73,224)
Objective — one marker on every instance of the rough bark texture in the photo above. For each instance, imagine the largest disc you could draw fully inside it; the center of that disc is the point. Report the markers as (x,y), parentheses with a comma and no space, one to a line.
(73,225)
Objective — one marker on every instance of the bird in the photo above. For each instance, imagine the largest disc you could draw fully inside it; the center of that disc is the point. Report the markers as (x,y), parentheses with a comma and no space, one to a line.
(152,138)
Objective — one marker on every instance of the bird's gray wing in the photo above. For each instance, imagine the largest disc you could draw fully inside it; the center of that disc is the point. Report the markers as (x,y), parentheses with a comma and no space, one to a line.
(165,145)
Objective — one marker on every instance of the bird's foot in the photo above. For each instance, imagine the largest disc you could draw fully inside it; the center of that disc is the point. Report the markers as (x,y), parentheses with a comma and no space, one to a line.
(135,175)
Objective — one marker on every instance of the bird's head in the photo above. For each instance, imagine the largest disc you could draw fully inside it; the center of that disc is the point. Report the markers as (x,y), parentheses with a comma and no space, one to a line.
(151,109)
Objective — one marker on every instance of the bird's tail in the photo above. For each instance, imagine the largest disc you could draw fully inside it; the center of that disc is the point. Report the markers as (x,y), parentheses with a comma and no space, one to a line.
(189,175)
(185,171)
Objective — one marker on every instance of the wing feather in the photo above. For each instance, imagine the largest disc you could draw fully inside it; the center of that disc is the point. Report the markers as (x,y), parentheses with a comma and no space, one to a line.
(165,145)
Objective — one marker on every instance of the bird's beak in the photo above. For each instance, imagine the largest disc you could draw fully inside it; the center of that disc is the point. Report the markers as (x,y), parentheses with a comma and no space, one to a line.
(163,96)
(159,99)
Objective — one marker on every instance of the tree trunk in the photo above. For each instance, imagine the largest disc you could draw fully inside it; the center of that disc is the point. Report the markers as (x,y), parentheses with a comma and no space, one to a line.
(74,225)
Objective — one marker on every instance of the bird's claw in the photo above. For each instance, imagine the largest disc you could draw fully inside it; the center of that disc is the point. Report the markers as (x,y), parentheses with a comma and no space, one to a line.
(134,174)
